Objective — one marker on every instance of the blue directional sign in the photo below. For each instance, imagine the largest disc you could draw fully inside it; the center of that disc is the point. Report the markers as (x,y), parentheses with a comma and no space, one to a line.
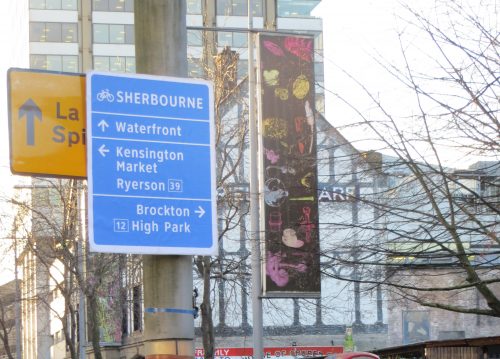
(151,165)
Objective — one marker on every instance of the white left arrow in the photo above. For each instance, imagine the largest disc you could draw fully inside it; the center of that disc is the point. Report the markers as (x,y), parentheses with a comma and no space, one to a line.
(200,211)
(103,150)
(103,125)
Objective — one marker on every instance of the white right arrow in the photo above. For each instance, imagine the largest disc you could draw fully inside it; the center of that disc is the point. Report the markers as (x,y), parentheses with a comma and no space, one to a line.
(103,125)
(103,150)
(200,211)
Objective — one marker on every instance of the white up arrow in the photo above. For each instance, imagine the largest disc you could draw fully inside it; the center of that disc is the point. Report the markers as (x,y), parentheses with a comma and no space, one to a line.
(103,125)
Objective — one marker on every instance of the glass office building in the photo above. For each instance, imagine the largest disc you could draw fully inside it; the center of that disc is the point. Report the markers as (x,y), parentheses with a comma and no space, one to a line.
(79,35)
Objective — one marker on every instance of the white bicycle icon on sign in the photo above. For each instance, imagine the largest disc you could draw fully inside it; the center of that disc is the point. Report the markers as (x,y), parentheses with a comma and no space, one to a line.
(105,95)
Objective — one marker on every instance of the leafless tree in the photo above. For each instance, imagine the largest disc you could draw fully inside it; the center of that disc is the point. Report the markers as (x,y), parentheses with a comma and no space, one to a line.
(230,141)
(52,234)
(7,319)
(428,221)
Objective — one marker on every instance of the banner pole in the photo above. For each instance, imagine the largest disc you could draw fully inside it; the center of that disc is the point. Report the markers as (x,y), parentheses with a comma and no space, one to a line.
(254,198)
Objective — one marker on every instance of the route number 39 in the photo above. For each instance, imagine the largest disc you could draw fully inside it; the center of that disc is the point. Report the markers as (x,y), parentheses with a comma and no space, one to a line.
(174,185)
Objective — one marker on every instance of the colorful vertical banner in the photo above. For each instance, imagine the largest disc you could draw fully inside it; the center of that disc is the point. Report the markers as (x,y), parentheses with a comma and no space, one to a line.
(289,211)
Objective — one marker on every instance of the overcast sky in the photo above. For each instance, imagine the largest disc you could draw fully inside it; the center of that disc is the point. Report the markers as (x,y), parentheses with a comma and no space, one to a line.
(358,31)
(14,45)
(355,34)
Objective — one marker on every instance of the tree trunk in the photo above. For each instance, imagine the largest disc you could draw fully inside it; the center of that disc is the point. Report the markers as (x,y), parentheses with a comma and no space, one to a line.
(70,344)
(93,317)
(207,324)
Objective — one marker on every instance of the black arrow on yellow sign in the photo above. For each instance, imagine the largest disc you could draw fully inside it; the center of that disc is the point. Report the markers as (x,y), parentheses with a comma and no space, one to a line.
(32,111)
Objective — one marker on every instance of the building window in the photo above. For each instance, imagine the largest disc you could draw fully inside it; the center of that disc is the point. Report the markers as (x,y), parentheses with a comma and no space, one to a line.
(100,5)
(242,68)
(114,63)
(476,189)
(54,4)
(117,64)
(320,102)
(193,7)
(224,38)
(58,336)
(318,43)
(113,5)
(68,32)
(490,191)
(117,34)
(53,32)
(296,8)
(136,308)
(130,64)
(238,7)
(318,70)
(232,39)
(37,32)
(117,5)
(129,34)
(113,34)
(465,189)
(101,63)
(240,39)
(194,38)
(416,326)
(37,4)
(101,34)
(195,69)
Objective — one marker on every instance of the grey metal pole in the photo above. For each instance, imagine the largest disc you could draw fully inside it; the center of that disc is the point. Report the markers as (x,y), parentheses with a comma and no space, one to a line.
(82,320)
(161,49)
(18,299)
(85,34)
(257,318)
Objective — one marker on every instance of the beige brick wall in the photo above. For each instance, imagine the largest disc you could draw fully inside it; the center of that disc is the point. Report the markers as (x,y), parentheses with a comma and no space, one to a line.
(442,324)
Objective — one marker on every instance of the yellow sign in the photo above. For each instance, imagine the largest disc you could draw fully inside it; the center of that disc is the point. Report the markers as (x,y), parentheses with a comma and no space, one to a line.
(47,123)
